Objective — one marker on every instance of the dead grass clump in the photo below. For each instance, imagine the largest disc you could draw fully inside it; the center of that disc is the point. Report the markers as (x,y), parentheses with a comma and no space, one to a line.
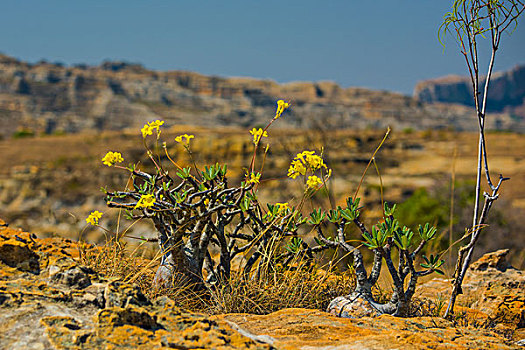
(114,260)
(421,307)
(300,285)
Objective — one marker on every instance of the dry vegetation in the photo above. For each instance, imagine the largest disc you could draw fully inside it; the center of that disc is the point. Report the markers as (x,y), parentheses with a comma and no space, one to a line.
(297,285)
(300,285)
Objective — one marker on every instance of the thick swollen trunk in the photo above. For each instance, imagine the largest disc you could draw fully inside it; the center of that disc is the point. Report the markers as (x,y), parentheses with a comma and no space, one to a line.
(179,263)
(178,267)
(360,303)
(365,292)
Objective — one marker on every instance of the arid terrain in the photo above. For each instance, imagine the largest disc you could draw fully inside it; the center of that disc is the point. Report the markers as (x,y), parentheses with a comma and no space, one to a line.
(50,300)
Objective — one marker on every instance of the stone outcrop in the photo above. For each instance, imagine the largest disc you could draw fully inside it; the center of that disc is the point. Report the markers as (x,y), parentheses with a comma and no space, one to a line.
(49,301)
(316,330)
(493,300)
(494,292)
(50,98)
(506,91)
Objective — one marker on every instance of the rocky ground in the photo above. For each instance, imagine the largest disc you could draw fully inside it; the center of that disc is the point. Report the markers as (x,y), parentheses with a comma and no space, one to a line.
(49,301)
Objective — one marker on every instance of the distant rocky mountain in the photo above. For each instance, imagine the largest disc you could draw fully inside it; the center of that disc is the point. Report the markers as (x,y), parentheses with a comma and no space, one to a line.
(506,91)
(52,98)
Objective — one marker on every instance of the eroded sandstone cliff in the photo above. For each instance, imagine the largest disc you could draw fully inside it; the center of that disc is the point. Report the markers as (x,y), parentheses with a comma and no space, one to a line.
(50,98)
(506,91)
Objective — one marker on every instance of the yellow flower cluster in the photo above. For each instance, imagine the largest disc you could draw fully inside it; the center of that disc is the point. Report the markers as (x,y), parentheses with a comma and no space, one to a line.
(149,127)
(184,139)
(145,201)
(281,106)
(258,134)
(313,182)
(111,158)
(93,218)
(304,161)
(254,178)
(281,207)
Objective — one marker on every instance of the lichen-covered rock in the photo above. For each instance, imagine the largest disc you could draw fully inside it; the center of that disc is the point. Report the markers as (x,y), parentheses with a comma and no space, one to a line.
(499,290)
(312,329)
(63,305)
(493,295)
(490,315)
(496,260)
(120,294)
(49,301)
(16,253)
(75,277)
(158,327)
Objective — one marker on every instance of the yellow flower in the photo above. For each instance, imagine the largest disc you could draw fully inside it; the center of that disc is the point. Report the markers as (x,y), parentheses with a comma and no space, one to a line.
(315,162)
(312,160)
(281,207)
(156,124)
(111,158)
(296,168)
(184,139)
(306,160)
(254,178)
(145,201)
(148,128)
(304,154)
(313,182)
(94,217)
(206,201)
(258,134)
(281,106)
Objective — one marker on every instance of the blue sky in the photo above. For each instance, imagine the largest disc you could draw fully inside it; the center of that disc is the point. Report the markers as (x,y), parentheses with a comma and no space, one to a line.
(381,44)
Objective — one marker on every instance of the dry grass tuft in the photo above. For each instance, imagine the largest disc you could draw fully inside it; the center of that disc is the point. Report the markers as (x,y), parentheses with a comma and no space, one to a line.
(301,284)
(421,307)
